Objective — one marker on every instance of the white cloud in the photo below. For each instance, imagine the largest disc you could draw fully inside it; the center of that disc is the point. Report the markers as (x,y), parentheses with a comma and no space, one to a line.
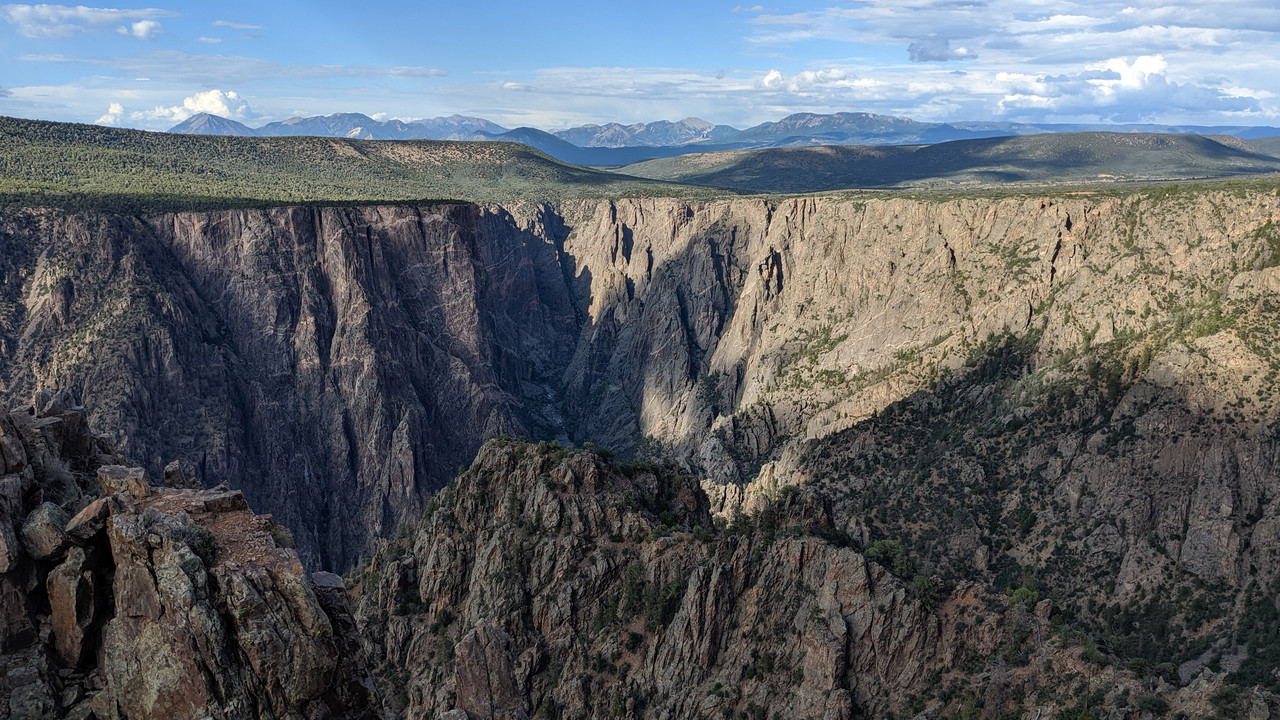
(209,40)
(771,81)
(1130,75)
(809,81)
(113,116)
(1170,61)
(50,21)
(1120,90)
(142,29)
(227,104)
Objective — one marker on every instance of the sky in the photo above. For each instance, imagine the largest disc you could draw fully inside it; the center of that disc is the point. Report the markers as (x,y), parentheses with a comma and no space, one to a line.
(558,64)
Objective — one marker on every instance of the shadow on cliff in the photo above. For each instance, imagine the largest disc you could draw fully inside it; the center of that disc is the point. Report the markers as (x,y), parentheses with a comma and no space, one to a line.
(1098,485)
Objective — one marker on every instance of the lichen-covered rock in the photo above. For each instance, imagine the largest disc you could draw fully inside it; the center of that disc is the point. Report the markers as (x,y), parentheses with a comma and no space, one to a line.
(120,480)
(161,602)
(44,532)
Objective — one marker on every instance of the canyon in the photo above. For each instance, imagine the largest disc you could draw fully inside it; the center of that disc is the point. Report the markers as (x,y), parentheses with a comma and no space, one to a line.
(1036,397)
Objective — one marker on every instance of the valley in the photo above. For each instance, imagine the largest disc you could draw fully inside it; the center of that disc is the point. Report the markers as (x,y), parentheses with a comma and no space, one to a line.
(981,453)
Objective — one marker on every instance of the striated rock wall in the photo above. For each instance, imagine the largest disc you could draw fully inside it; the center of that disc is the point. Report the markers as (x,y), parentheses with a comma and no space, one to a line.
(370,350)
(155,602)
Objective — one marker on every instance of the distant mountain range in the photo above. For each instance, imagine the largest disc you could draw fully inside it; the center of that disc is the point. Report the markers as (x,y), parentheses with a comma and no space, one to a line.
(614,144)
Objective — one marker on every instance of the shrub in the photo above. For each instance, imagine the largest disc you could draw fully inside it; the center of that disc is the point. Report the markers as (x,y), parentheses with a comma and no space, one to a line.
(893,556)
(632,590)
(1153,704)
(923,591)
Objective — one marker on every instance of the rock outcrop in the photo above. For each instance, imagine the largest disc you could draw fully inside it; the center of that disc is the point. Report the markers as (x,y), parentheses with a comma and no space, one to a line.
(552,583)
(120,600)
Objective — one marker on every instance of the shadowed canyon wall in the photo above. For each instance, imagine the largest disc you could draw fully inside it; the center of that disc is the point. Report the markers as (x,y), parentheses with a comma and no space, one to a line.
(339,364)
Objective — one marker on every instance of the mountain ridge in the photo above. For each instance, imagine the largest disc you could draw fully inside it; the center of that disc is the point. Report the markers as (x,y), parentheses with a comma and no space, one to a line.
(615,144)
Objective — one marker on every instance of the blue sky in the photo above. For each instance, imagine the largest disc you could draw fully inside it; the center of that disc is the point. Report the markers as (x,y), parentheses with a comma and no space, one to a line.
(554,65)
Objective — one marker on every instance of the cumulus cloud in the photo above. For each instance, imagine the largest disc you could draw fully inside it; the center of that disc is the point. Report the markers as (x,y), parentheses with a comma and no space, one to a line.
(113,115)
(937,49)
(1121,90)
(142,29)
(808,81)
(50,21)
(227,104)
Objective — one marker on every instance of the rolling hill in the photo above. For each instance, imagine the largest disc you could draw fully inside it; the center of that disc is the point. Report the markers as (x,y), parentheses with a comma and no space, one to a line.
(1267,145)
(1055,158)
(64,163)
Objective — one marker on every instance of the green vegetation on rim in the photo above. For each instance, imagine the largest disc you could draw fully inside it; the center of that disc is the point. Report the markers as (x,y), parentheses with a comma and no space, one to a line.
(85,166)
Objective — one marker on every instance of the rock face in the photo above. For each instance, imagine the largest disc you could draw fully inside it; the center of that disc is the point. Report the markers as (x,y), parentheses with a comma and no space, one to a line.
(486,675)
(156,602)
(553,584)
(338,364)
(369,351)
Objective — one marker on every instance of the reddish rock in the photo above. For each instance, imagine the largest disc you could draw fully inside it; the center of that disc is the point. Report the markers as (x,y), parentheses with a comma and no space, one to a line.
(71,597)
(121,480)
(90,521)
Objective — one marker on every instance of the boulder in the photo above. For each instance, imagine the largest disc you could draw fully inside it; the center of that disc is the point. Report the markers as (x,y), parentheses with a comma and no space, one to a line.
(44,532)
(50,404)
(121,480)
(90,521)
(180,474)
(229,501)
(327,580)
(71,592)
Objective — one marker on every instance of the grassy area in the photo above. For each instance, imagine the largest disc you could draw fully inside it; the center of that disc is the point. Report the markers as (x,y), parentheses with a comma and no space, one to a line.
(85,166)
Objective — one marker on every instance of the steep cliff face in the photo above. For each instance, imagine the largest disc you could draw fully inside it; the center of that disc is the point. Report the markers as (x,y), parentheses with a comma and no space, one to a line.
(369,351)
(545,580)
(553,583)
(120,600)
(336,364)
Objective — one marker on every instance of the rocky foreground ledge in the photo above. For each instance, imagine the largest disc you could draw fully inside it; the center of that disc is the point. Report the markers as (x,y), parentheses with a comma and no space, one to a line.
(121,599)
